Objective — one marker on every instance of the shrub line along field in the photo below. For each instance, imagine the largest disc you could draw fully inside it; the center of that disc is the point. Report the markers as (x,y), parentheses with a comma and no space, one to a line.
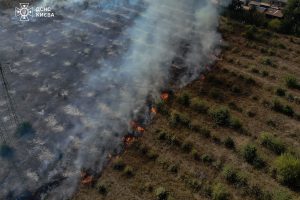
(233,134)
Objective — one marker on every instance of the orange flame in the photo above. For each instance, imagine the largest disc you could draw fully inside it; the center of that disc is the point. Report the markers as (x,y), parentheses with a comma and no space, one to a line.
(140,129)
(128,140)
(136,127)
(164,96)
(153,110)
(87,180)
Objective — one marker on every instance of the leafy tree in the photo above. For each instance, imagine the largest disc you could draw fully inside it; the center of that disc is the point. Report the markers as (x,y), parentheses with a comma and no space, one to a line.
(274,24)
(291,22)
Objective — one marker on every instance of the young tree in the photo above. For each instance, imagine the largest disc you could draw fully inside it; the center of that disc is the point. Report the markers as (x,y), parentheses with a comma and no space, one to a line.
(291,22)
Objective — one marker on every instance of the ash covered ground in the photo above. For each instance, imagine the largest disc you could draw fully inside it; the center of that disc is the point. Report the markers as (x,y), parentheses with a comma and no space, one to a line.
(81,77)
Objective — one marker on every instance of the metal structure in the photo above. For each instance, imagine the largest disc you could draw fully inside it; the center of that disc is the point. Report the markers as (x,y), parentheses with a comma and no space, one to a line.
(10,106)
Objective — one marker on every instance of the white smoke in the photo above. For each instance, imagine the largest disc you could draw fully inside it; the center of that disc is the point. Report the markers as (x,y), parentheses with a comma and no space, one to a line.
(117,91)
(145,68)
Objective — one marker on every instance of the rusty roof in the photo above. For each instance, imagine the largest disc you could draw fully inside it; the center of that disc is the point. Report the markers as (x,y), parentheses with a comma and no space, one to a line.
(274,13)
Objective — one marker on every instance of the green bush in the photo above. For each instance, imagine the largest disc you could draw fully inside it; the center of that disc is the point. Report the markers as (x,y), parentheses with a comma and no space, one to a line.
(200,106)
(230,174)
(24,128)
(251,113)
(274,24)
(128,171)
(177,119)
(205,132)
(292,82)
(236,124)
(236,89)
(187,147)
(173,168)
(272,143)
(216,94)
(288,170)
(216,139)
(184,99)
(118,164)
(234,177)
(267,61)
(162,136)
(101,188)
(250,32)
(152,155)
(257,193)
(249,153)
(162,108)
(221,116)
(254,70)
(281,195)
(195,154)
(229,143)
(161,193)
(220,192)
(206,158)
(265,73)
(5,151)
(143,149)
(284,109)
(173,140)
(232,105)
(250,81)
(280,92)
(194,184)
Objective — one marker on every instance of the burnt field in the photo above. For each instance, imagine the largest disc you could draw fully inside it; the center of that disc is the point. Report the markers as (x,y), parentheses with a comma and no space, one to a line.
(73,85)
(227,135)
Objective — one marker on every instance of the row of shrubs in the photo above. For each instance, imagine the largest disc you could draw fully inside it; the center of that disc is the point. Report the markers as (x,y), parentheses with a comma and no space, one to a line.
(278,106)
(287,165)
(250,155)
(272,143)
(292,82)
(144,150)
(282,93)
(238,179)
(216,191)
(186,147)
(180,119)
(220,115)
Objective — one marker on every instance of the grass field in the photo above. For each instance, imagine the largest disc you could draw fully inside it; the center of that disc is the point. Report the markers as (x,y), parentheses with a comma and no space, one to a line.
(221,136)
